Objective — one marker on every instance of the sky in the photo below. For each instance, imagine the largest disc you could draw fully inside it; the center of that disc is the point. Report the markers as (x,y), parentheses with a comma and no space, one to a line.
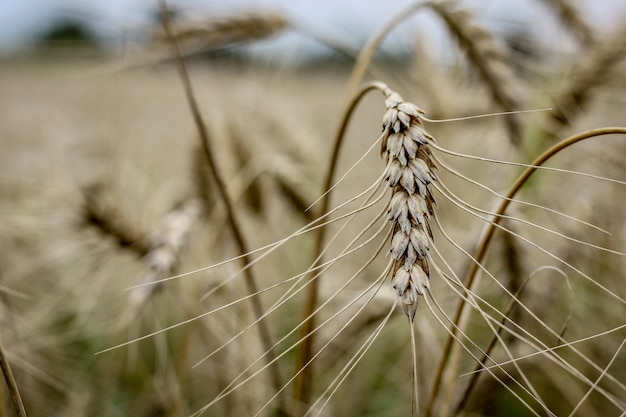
(350,21)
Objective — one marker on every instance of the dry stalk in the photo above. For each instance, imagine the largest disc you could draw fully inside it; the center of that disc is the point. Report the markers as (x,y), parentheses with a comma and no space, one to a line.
(302,383)
(232,218)
(204,186)
(572,20)
(490,60)
(484,244)
(593,71)
(11,384)
(513,258)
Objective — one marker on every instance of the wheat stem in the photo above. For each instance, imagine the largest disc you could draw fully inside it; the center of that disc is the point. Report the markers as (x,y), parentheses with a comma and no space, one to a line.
(531,340)
(415,379)
(233,220)
(535,343)
(11,384)
(492,343)
(302,385)
(453,334)
(486,241)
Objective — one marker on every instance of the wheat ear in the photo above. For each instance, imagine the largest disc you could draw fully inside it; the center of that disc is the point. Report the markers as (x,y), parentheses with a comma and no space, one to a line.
(400,123)
(99,214)
(233,220)
(166,244)
(226,31)
(489,58)
(409,172)
(594,71)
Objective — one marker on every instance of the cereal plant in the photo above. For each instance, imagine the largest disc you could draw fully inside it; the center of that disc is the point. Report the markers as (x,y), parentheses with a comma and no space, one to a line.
(208,235)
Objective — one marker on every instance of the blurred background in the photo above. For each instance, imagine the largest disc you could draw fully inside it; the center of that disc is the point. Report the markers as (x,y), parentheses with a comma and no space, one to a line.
(109,26)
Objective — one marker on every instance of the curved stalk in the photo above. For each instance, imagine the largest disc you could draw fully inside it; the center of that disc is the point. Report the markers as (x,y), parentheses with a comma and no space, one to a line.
(485,242)
(302,384)
(232,219)
(11,385)
(369,50)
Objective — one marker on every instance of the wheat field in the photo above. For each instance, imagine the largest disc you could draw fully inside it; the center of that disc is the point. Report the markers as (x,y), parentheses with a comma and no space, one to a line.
(334,238)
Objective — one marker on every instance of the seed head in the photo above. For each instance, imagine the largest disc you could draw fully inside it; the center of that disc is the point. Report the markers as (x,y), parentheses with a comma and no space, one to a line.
(409,173)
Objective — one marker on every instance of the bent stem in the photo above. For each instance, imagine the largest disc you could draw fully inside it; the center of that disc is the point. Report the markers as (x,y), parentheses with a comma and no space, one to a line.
(233,221)
(302,384)
(485,241)
(11,384)
(482,363)
(369,50)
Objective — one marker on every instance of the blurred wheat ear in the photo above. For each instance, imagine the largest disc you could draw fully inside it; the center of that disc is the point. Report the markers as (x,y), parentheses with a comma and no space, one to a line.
(101,214)
(596,68)
(490,60)
(219,33)
(232,218)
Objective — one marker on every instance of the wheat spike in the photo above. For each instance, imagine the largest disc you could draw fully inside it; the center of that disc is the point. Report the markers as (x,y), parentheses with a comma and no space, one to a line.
(409,172)
(489,58)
